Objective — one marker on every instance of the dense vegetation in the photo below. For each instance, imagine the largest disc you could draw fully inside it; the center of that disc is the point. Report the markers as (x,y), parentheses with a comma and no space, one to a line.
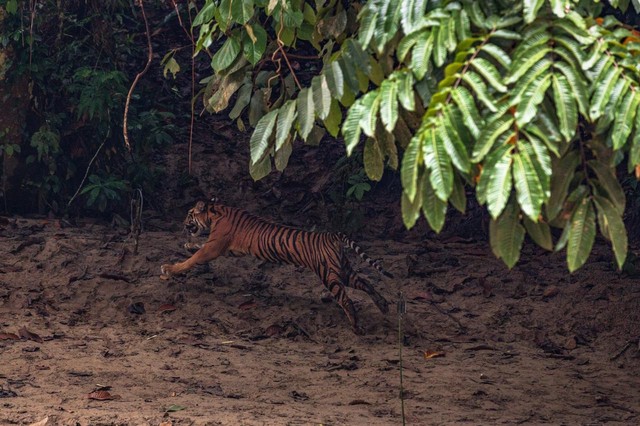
(532,103)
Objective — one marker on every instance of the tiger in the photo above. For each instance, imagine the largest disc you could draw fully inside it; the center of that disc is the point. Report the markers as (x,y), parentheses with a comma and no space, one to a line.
(236,232)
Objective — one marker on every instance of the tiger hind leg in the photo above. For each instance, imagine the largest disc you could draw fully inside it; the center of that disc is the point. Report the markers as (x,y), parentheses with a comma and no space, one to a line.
(357,282)
(337,290)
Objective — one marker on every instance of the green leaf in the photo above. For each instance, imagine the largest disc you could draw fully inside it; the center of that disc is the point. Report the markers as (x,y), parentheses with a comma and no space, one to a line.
(458,197)
(281,157)
(479,89)
(373,160)
(433,208)
(531,8)
(612,222)
(526,61)
(453,144)
(412,14)
(371,104)
(205,15)
(607,178)
(528,186)
(389,104)
(625,115)
(406,94)
(499,180)
(242,11)
(539,232)
(603,88)
(253,49)
(439,47)
(559,7)
(489,135)
(175,407)
(321,96)
(470,115)
(565,107)
(582,233)
(533,95)
(261,169)
(490,73)
(410,166)
(541,68)
(437,161)
(351,126)
(260,138)
(285,121)
(306,115)
(498,54)
(225,56)
(578,85)
(334,119)
(411,209)
(509,234)
(335,79)
(422,53)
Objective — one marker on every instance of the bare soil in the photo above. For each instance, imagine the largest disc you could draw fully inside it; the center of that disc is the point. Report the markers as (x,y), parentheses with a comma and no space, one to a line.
(240,342)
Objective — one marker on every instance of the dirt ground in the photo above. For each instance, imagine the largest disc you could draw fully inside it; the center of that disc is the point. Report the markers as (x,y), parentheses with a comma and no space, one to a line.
(241,342)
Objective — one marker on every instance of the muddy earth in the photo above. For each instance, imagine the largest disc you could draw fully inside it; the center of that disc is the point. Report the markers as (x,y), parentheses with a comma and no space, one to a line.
(90,334)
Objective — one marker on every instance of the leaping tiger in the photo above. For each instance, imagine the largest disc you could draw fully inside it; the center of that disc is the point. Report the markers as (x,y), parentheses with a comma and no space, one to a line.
(235,232)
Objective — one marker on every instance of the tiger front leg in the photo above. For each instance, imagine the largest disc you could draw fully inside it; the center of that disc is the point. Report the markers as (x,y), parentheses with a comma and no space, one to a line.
(337,290)
(207,252)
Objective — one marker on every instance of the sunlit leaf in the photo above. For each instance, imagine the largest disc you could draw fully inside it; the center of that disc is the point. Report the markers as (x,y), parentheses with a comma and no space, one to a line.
(582,233)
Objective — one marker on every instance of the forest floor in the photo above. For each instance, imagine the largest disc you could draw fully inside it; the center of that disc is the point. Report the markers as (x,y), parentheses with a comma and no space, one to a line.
(90,334)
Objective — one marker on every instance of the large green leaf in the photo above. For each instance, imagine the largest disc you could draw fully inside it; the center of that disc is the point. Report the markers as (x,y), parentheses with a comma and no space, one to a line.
(509,234)
(371,105)
(254,42)
(321,96)
(489,135)
(434,209)
(261,169)
(624,119)
(498,54)
(333,120)
(479,89)
(281,157)
(499,180)
(306,114)
(470,114)
(489,72)
(411,208)
(582,233)
(335,79)
(615,228)
(389,104)
(539,232)
(406,94)
(578,85)
(351,126)
(531,8)
(602,91)
(373,160)
(285,121)
(453,143)
(528,187)
(533,95)
(259,143)
(458,197)
(410,167)
(412,14)
(539,69)
(241,11)
(525,62)
(438,163)
(225,56)
(565,107)
(422,53)
(610,183)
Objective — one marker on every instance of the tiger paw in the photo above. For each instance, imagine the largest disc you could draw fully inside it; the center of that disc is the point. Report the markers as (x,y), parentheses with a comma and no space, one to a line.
(165,272)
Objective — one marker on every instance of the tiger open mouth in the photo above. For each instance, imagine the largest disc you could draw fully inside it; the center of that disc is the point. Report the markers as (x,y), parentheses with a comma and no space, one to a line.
(193,229)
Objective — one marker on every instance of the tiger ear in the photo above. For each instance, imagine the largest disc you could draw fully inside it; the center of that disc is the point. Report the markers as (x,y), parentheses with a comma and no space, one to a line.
(200,206)
(213,200)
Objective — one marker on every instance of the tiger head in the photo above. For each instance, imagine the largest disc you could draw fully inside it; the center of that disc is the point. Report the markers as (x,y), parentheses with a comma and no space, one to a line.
(198,218)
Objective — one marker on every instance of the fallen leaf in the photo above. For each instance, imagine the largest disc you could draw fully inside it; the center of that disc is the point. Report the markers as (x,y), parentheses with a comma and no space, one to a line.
(9,336)
(102,395)
(166,308)
(423,295)
(42,422)
(249,304)
(550,291)
(166,424)
(174,407)
(26,334)
(433,354)
(6,393)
